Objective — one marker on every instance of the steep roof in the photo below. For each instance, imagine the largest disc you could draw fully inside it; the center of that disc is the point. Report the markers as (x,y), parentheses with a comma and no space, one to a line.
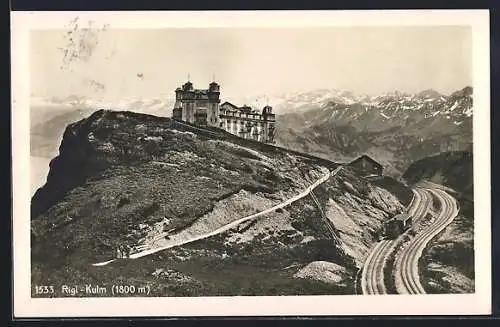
(245,108)
(230,104)
(365,157)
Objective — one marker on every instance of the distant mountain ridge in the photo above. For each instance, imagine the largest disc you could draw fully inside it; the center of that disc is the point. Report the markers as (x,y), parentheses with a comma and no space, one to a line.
(332,123)
(427,101)
(302,101)
(396,128)
(146,105)
(282,103)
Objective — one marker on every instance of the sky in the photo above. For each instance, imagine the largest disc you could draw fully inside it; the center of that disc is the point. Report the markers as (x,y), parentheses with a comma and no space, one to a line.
(148,63)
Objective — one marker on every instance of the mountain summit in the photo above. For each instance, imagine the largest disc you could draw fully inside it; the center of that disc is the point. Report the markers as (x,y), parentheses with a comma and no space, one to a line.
(429,94)
(134,197)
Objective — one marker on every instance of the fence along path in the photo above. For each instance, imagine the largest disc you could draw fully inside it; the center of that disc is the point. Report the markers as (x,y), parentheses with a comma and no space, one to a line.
(235,223)
(219,133)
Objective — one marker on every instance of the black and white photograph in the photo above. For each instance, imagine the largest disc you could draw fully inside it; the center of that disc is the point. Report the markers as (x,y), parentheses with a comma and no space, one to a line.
(219,161)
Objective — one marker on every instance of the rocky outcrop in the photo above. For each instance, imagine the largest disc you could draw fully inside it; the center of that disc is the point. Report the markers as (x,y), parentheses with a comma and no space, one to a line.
(452,169)
(77,160)
(323,271)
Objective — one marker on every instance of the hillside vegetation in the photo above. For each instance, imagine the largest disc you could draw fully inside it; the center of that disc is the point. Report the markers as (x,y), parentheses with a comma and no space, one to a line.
(130,181)
(452,169)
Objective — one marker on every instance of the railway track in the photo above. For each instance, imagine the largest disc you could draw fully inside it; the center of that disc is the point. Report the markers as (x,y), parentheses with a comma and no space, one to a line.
(407,272)
(401,280)
(372,275)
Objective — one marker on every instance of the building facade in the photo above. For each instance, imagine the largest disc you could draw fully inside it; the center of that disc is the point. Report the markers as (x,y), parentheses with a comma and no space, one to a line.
(197,106)
(202,107)
(367,166)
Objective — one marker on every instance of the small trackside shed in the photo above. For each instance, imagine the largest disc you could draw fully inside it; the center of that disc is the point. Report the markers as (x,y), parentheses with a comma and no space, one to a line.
(366,166)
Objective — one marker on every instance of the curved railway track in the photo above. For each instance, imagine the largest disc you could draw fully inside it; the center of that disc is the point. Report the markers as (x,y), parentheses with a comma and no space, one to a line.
(372,275)
(407,270)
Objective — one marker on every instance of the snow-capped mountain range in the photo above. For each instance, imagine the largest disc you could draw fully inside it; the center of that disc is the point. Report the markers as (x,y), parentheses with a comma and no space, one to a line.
(338,124)
(376,113)
(389,103)
(395,128)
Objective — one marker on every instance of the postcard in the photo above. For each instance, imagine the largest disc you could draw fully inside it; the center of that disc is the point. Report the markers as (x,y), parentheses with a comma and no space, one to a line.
(251,163)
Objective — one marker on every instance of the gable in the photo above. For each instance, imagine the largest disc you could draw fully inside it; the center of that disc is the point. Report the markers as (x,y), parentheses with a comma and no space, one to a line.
(363,160)
(229,104)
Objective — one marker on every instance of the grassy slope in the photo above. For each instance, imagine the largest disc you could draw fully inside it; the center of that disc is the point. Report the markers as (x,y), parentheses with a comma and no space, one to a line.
(136,180)
(177,178)
(261,258)
(215,266)
(398,189)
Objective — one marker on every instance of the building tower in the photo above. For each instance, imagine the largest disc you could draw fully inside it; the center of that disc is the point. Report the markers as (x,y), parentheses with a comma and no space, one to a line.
(269,124)
(197,106)
(187,100)
(213,104)
(177,112)
(202,107)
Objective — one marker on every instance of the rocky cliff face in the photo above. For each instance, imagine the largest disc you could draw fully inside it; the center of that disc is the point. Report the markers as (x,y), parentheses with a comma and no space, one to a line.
(130,182)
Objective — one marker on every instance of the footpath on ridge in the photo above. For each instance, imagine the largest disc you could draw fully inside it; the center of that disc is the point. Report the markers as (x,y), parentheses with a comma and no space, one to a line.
(233,224)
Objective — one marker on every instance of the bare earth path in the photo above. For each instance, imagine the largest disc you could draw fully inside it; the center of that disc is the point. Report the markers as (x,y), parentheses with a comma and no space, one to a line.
(178,239)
